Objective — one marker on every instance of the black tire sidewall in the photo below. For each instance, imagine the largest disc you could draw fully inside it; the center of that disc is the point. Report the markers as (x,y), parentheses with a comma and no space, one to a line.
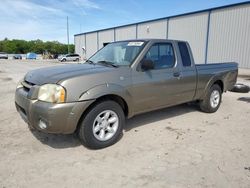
(86,128)
(205,104)
(240,88)
(213,88)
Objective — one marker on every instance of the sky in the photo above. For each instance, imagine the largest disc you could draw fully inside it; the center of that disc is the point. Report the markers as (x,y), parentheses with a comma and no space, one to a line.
(47,19)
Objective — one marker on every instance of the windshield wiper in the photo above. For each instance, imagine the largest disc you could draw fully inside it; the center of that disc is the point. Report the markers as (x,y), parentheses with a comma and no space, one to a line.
(107,63)
(89,61)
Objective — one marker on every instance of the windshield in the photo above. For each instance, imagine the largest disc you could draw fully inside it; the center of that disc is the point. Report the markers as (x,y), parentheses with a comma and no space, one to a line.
(118,53)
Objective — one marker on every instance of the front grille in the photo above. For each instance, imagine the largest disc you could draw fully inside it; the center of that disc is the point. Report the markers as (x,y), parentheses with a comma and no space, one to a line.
(27,85)
(22,112)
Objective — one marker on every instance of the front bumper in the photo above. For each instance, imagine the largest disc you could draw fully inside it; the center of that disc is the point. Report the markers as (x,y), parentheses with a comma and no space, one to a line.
(59,118)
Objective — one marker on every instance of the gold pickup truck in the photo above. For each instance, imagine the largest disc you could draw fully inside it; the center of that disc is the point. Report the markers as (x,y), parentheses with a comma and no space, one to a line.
(121,80)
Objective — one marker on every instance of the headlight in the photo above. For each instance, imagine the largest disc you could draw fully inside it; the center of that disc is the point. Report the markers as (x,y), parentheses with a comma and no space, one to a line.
(52,93)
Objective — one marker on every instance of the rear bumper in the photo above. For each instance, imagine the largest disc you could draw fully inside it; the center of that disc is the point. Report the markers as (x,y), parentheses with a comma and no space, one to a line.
(58,118)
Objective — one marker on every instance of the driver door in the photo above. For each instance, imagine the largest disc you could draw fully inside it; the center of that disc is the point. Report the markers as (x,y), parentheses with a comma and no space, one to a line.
(153,89)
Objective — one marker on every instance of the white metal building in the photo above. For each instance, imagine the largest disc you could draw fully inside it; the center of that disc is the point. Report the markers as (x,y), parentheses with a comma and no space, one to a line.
(215,35)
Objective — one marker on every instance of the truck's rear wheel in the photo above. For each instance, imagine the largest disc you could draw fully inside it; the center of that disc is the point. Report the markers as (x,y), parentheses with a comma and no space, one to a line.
(212,100)
(102,126)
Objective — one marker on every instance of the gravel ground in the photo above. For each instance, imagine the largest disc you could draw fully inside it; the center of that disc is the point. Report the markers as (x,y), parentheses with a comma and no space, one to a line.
(175,147)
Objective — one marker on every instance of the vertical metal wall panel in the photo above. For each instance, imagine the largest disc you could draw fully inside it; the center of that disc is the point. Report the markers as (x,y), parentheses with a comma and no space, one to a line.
(75,43)
(91,44)
(105,36)
(229,36)
(125,33)
(155,29)
(191,28)
(79,43)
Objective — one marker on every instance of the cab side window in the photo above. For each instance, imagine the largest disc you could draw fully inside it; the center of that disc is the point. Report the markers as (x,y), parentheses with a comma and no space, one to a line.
(185,57)
(162,55)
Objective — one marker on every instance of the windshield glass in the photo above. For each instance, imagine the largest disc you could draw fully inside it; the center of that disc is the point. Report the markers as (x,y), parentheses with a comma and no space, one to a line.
(118,53)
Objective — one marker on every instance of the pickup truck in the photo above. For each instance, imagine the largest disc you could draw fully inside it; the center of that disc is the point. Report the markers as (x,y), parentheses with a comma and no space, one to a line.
(123,79)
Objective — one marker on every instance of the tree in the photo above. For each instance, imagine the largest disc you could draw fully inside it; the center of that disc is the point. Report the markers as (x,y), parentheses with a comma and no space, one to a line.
(38,46)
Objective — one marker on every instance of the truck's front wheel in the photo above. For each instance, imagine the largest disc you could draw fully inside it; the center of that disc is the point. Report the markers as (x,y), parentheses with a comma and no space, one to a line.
(212,100)
(102,126)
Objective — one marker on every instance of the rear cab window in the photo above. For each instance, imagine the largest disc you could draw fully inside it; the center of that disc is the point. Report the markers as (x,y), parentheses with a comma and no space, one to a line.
(185,56)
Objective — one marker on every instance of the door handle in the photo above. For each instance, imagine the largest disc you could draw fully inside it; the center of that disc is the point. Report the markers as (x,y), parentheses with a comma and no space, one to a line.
(177,75)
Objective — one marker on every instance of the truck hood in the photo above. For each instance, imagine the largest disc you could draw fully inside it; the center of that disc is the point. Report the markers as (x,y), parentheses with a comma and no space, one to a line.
(58,73)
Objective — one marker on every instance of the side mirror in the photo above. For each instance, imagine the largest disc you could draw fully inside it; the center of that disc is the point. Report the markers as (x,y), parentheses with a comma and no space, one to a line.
(147,64)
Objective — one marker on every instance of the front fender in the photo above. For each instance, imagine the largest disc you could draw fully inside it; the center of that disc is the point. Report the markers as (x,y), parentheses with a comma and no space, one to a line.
(108,89)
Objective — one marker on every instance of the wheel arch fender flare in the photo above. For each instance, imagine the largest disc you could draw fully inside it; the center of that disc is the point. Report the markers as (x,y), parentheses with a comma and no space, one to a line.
(215,79)
(99,91)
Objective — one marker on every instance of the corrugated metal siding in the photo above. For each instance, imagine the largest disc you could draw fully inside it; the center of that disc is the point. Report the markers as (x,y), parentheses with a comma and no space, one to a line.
(156,29)
(125,33)
(79,43)
(191,28)
(229,36)
(105,36)
(228,39)
(91,44)
(77,40)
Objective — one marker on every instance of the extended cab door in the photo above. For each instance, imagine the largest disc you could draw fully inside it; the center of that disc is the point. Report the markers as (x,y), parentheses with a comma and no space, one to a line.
(158,87)
(188,73)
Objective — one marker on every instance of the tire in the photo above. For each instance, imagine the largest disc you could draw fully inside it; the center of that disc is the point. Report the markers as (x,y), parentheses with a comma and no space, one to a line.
(95,132)
(240,88)
(212,100)
(63,60)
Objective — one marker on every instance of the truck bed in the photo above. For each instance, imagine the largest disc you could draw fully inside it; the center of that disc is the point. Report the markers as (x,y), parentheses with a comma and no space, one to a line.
(206,73)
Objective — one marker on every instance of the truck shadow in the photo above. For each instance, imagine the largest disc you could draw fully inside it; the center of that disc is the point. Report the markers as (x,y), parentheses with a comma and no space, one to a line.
(59,141)
(245,99)
(159,115)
